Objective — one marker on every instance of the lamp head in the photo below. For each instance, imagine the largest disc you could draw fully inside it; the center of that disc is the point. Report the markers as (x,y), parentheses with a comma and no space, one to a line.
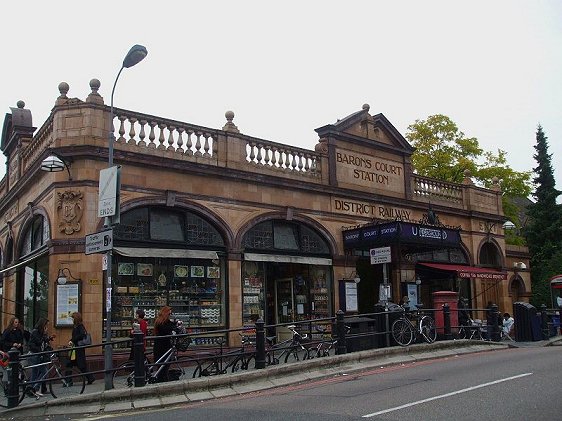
(61,278)
(136,54)
(52,164)
(56,163)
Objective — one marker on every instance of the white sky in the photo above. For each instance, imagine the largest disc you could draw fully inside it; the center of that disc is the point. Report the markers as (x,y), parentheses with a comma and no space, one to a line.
(288,67)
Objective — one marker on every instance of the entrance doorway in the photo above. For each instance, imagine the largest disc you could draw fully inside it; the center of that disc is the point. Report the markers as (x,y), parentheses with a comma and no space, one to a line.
(286,292)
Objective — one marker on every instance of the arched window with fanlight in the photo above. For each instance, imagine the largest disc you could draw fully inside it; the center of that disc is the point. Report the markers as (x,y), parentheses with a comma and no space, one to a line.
(32,279)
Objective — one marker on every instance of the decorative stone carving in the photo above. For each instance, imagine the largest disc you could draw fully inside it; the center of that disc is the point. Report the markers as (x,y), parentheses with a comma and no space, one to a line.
(70,209)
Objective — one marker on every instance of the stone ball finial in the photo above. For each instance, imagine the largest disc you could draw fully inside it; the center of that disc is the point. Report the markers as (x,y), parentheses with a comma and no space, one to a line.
(366,107)
(63,89)
(230,126)
(467,173)
(495,180)
(20,104)
(95,85)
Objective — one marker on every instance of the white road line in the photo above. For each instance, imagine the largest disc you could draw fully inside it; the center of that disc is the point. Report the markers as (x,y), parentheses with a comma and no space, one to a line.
(468,389)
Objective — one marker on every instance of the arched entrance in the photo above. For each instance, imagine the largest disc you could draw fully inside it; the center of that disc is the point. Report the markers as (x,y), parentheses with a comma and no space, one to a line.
(286,273)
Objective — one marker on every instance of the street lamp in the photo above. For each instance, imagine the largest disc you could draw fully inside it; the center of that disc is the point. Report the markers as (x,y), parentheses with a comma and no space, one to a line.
(55,163)
(135,55)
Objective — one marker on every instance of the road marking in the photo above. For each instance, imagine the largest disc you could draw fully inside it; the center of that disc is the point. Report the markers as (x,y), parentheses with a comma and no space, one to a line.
(446,395)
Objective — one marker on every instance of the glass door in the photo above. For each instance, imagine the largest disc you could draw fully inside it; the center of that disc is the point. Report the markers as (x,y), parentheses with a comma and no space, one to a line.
(284,304)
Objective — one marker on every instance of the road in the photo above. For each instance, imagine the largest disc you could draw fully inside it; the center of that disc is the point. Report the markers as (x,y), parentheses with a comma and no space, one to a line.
(513,384)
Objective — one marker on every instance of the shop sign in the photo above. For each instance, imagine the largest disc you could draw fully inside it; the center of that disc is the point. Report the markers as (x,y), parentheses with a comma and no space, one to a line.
(380,255)
(402,231)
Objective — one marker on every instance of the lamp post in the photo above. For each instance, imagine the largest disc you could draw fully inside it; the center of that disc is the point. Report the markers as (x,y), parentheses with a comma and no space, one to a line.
(134,56)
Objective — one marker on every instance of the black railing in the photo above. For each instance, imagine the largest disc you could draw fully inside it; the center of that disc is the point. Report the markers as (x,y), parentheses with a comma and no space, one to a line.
(349,333)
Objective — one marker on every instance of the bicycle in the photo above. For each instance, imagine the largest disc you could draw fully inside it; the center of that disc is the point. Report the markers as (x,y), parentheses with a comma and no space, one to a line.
(324,348)
(62,381)
(124,375)
(404,330)
(470,330)
(291,349)
(221,363)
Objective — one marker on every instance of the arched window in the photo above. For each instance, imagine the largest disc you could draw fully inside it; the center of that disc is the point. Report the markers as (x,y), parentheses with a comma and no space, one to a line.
(489,255)
(284,236)
(158,225)
(33,278)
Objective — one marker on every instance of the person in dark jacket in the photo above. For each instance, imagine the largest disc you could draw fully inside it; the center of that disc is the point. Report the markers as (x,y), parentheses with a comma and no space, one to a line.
(13,336)
(79,333)
(39,341)
(163,326)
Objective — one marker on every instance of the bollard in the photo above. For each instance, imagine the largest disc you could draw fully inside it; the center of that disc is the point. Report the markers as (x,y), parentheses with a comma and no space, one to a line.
(340,331)
(13,378)
(544,323)
(493,323)
(447,321)
(138,354)
(260,344)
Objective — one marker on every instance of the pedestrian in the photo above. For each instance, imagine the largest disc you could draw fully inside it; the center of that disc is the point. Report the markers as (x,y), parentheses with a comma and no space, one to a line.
(13,336)
(143,327)
(79,333)
(39,341)
(507,325)
(163,326)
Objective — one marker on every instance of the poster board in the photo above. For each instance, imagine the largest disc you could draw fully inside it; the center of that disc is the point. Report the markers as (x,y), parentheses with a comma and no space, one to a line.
(348,296)
(67,301)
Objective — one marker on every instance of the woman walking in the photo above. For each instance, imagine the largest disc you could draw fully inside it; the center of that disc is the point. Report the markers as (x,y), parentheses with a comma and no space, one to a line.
(39,342)
(13,336)
(163,326)
(79,333)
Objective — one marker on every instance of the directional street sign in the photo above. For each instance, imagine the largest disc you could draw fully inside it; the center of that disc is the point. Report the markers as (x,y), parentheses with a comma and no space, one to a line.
(99,242)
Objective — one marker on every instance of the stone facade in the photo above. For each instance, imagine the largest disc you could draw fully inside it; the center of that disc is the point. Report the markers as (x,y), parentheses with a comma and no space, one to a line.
(360,173)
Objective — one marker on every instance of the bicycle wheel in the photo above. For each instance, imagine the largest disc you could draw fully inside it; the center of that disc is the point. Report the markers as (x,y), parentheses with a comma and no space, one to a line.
(402,332)
(124,375)
(4,387)
(427,329)
(206,368)
(296,353)
(70,382)
(462,333)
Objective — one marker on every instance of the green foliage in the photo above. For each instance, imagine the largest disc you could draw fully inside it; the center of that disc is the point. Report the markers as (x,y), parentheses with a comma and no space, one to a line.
(444,152)
(543,231)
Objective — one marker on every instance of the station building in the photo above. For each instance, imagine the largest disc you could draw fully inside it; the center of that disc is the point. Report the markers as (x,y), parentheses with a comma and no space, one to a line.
(227,228)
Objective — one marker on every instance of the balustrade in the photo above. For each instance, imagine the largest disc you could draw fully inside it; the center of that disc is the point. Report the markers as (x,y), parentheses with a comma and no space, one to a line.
(436,190)
(166,135)
(281,157)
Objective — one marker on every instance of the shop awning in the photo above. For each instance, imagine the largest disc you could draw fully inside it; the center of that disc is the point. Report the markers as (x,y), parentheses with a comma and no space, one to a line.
(306,260)
(169,253)
(464,271)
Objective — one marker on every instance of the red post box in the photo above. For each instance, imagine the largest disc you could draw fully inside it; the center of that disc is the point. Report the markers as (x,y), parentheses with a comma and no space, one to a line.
(440,298)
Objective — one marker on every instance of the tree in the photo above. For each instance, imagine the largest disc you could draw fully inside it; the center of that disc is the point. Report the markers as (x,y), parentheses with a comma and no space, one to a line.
(543,231)
(444,152)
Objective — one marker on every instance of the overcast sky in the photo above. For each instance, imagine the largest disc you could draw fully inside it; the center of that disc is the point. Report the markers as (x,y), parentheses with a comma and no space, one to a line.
(288,67)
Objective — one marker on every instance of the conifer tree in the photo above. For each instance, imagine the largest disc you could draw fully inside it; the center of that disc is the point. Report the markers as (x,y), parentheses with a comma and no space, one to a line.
(544,228)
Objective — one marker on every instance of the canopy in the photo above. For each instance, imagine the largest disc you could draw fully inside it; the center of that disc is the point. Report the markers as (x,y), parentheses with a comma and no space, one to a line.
(464,271)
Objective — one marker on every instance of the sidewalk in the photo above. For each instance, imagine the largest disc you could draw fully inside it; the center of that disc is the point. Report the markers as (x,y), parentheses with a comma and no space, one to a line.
(96,400)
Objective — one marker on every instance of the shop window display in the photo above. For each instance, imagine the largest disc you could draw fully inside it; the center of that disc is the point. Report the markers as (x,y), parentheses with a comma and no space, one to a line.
(194,288)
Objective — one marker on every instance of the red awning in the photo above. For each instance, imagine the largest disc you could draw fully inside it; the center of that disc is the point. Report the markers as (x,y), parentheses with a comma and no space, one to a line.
(468,271)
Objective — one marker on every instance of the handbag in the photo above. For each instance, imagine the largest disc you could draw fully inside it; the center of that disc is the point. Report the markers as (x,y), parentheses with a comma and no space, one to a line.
(86,341)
